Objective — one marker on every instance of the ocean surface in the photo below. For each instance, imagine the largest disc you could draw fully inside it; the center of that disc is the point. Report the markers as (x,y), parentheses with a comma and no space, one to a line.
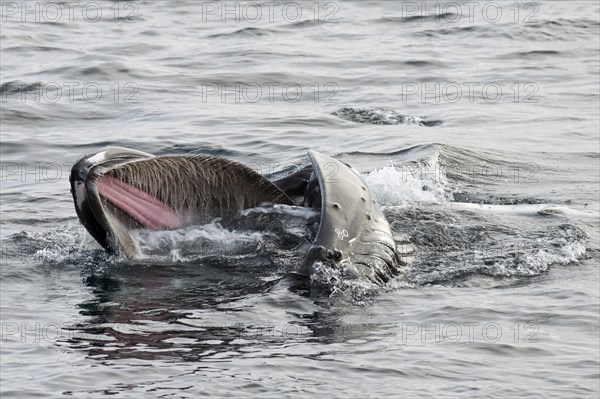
(475,125)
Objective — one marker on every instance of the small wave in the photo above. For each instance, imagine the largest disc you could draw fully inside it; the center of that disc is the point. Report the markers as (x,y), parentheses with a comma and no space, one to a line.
(307,23)
(17,86)
(30,49)
(448,16)
(382,116)
(20,116)
(532,54)
(451,31)
(540,52)
(245,32)
(423,63)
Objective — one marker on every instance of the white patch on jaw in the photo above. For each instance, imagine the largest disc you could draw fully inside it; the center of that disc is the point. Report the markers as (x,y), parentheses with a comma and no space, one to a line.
(98,158)
(118,153)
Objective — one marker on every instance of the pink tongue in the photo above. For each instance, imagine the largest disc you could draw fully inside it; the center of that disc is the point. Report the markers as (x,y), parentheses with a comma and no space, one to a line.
(149,211)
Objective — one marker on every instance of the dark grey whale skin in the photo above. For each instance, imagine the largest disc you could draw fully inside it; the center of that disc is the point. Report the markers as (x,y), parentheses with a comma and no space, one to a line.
(353,236)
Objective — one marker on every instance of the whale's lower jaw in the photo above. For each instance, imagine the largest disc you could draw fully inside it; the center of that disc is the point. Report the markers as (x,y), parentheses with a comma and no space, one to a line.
(118,190)
(353,236)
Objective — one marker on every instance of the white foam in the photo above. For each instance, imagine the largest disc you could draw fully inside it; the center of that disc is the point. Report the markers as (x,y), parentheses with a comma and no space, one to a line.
(61,244)
(212,231)
(540,260)
(298,211)
(401,186)
(205,239)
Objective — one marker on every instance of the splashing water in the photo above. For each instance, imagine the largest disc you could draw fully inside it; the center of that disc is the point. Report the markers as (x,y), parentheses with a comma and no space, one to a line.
(401,186)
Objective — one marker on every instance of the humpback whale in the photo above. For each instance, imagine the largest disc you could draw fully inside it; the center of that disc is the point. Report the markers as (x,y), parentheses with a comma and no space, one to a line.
(117,190)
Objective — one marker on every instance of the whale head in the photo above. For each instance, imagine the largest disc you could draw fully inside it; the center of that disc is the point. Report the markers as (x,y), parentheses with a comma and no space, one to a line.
(118,190)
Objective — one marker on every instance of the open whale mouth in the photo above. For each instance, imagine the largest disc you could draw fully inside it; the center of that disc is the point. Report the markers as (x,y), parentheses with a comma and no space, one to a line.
(118,190)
